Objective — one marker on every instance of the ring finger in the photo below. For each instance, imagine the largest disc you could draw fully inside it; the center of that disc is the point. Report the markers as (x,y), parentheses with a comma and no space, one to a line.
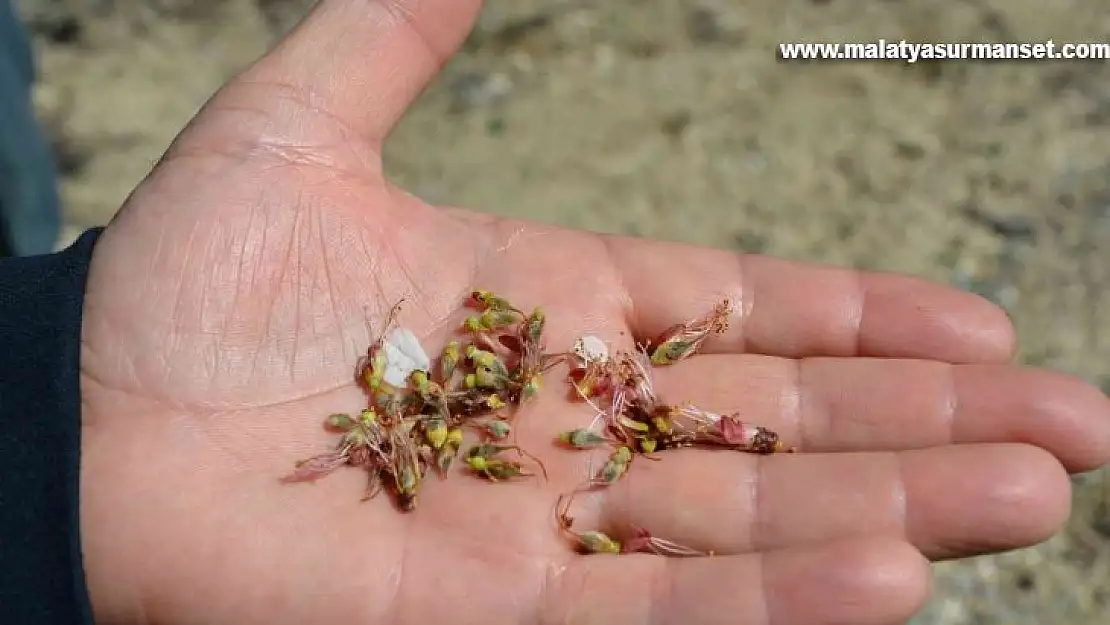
(948,501)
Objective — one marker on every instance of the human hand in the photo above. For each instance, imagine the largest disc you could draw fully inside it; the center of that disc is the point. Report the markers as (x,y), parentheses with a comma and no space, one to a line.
(227,304)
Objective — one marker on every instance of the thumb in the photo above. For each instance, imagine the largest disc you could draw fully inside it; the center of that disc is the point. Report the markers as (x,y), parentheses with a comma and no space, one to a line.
(359,62)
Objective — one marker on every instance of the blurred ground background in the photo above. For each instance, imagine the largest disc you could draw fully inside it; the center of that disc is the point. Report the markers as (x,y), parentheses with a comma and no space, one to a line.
(674,119)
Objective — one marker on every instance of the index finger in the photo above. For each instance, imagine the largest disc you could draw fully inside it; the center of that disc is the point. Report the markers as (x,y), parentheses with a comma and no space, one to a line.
(792,309)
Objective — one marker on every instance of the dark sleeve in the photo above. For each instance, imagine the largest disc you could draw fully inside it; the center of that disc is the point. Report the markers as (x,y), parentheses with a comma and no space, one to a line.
(41,576)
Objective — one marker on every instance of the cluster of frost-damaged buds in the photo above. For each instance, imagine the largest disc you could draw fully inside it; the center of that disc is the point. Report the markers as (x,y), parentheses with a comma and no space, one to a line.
(417,411)
(634,421)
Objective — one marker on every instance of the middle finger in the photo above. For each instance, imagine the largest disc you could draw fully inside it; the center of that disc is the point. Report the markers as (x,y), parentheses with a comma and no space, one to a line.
(948,501)
(868,404)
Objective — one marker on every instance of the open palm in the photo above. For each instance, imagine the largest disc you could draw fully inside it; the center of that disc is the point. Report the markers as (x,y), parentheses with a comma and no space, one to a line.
(230,299)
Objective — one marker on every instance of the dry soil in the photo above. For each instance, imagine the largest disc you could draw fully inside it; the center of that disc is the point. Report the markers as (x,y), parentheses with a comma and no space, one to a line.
(675,119)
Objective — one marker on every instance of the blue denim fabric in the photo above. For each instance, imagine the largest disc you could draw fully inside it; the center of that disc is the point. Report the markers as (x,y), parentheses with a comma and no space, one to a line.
(30,208)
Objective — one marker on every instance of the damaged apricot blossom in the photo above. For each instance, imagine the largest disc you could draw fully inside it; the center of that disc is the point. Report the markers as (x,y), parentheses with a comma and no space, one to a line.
(598,542)
(682,340)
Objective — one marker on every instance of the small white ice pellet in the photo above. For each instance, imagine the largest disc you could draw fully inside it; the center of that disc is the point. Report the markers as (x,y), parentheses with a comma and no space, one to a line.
(403,355)
(591,349)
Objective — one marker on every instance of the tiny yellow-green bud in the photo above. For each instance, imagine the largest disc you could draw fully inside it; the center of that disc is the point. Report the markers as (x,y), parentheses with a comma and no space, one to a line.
(581,438)
(597,542)
(498,428)
(455,436)
(340,421)
(368,417)
(436,432)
